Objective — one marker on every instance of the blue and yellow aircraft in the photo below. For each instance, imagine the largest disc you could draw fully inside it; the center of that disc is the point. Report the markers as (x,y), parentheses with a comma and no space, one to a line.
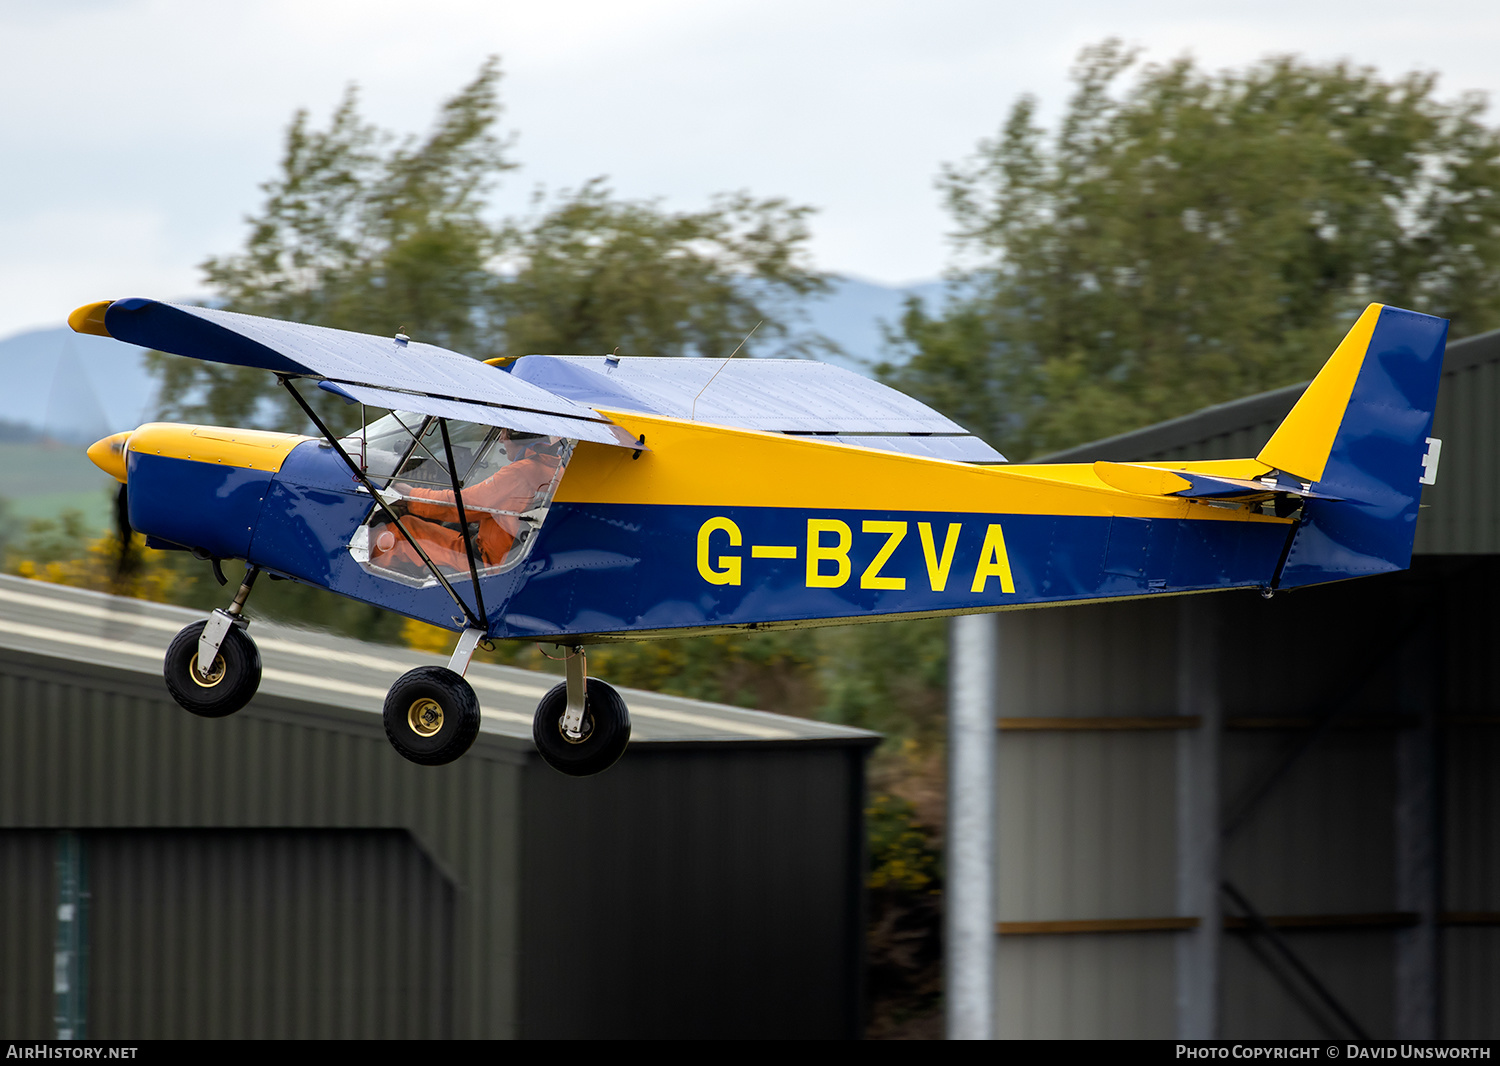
(578,499)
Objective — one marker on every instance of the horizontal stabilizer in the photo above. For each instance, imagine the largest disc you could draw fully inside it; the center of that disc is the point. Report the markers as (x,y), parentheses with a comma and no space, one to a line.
(1192,485)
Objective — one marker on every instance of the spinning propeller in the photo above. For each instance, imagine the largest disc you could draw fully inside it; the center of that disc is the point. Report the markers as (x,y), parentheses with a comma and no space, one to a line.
(127,557)
(108,454)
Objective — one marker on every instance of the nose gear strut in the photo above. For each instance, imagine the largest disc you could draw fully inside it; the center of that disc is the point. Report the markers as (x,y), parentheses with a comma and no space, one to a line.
(214,631)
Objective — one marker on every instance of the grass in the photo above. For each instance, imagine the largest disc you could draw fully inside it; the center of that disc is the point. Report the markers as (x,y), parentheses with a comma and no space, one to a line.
(43,480)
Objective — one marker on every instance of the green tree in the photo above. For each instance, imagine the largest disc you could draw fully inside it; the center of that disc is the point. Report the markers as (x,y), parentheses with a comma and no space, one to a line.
(363,231)
(359,231)
(591,274)
(1192,237)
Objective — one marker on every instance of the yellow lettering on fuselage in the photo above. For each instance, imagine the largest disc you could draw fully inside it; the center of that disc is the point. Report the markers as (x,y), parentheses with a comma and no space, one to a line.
(993,562)
(937,570)
(871,579)
(819,553)
(829,544)
(728,572)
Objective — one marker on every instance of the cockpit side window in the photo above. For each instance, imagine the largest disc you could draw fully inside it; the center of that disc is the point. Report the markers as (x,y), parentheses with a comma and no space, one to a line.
(507,479)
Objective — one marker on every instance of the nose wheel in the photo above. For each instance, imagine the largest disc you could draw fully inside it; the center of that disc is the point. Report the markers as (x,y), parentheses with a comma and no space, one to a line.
(212,668)
(226,685)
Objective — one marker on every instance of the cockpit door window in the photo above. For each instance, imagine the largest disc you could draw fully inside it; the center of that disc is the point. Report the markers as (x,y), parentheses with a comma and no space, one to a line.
(507,478)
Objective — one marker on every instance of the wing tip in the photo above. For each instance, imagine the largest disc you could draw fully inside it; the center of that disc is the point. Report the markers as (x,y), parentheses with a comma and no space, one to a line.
(90,318)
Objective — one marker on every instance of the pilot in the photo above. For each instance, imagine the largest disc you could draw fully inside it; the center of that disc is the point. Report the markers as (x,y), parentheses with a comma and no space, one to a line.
(431,515)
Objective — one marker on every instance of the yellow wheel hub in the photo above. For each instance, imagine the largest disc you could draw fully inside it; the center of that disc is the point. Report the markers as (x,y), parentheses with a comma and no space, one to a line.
(425,717)
(213,677)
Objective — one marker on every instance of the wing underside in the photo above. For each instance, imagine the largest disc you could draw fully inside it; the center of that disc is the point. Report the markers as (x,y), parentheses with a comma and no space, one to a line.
(402,375)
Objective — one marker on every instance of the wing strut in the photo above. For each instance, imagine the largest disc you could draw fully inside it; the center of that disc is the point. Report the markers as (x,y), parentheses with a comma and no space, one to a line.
(463,519)
(359,475)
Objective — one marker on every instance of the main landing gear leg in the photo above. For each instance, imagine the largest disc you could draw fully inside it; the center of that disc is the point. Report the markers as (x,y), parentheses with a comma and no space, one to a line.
(213,667)
(577,664)
(582,726)
(431,713)
(468,640)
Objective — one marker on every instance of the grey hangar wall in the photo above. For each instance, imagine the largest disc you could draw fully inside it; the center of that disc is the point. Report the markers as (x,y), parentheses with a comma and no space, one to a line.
(283,873)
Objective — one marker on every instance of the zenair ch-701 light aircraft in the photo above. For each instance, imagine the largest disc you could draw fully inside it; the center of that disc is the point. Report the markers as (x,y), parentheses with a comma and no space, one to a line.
(579,499)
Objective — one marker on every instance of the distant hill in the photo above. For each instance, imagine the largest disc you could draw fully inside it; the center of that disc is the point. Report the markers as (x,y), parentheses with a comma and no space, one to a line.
(71,385)
(78,387)
(851,315)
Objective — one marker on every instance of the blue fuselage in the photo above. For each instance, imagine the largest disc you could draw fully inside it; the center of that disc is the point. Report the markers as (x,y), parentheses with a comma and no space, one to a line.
(625,569)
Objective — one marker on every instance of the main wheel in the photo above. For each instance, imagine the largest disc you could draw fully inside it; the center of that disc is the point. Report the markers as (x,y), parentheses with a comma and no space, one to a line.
(606,730)
(230,682)
(431,715)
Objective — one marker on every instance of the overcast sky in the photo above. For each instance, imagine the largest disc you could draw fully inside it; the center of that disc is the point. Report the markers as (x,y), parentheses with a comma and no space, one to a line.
(135,132)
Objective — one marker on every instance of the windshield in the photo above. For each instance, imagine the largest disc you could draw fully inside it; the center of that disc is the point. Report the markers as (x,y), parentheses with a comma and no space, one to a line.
(383,445)
(506,479)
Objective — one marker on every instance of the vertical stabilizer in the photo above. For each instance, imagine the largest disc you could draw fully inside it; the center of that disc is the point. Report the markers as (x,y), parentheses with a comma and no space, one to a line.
(1302,443)
(1360,433)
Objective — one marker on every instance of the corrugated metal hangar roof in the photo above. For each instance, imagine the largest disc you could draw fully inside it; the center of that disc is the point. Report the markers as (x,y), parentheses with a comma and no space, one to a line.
(306,664)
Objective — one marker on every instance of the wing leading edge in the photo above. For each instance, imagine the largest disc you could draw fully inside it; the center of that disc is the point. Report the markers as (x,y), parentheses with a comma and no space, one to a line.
(408,376)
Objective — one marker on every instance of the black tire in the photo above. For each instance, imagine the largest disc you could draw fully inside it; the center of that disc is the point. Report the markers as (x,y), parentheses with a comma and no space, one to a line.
(431,715)
(232,681)
(606,730)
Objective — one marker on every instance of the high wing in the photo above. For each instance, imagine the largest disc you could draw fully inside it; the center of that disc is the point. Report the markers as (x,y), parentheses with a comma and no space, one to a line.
(797,397)
(406,376)
(548,394)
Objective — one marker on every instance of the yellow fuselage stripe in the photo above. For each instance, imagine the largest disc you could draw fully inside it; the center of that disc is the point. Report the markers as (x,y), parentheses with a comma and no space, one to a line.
(696,464)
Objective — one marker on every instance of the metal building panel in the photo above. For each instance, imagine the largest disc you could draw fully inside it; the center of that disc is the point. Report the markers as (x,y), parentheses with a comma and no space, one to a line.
(1325,839)
(1471,631)
(1262,1000)
(50,619)
(1086,826)
(1471,983)
(1235,444)
(1471,868)
(1089,987)
(1461,513)
(28,910)
(1471,809)
(300,934)
(620,920)
(1089,660)
(1322,841)
(113,752)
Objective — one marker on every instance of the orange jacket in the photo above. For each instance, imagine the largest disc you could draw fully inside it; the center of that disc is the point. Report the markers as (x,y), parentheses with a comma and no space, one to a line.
(514,487)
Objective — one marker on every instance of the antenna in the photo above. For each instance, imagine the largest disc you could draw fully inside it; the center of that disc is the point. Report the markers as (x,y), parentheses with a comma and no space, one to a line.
(693,414)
